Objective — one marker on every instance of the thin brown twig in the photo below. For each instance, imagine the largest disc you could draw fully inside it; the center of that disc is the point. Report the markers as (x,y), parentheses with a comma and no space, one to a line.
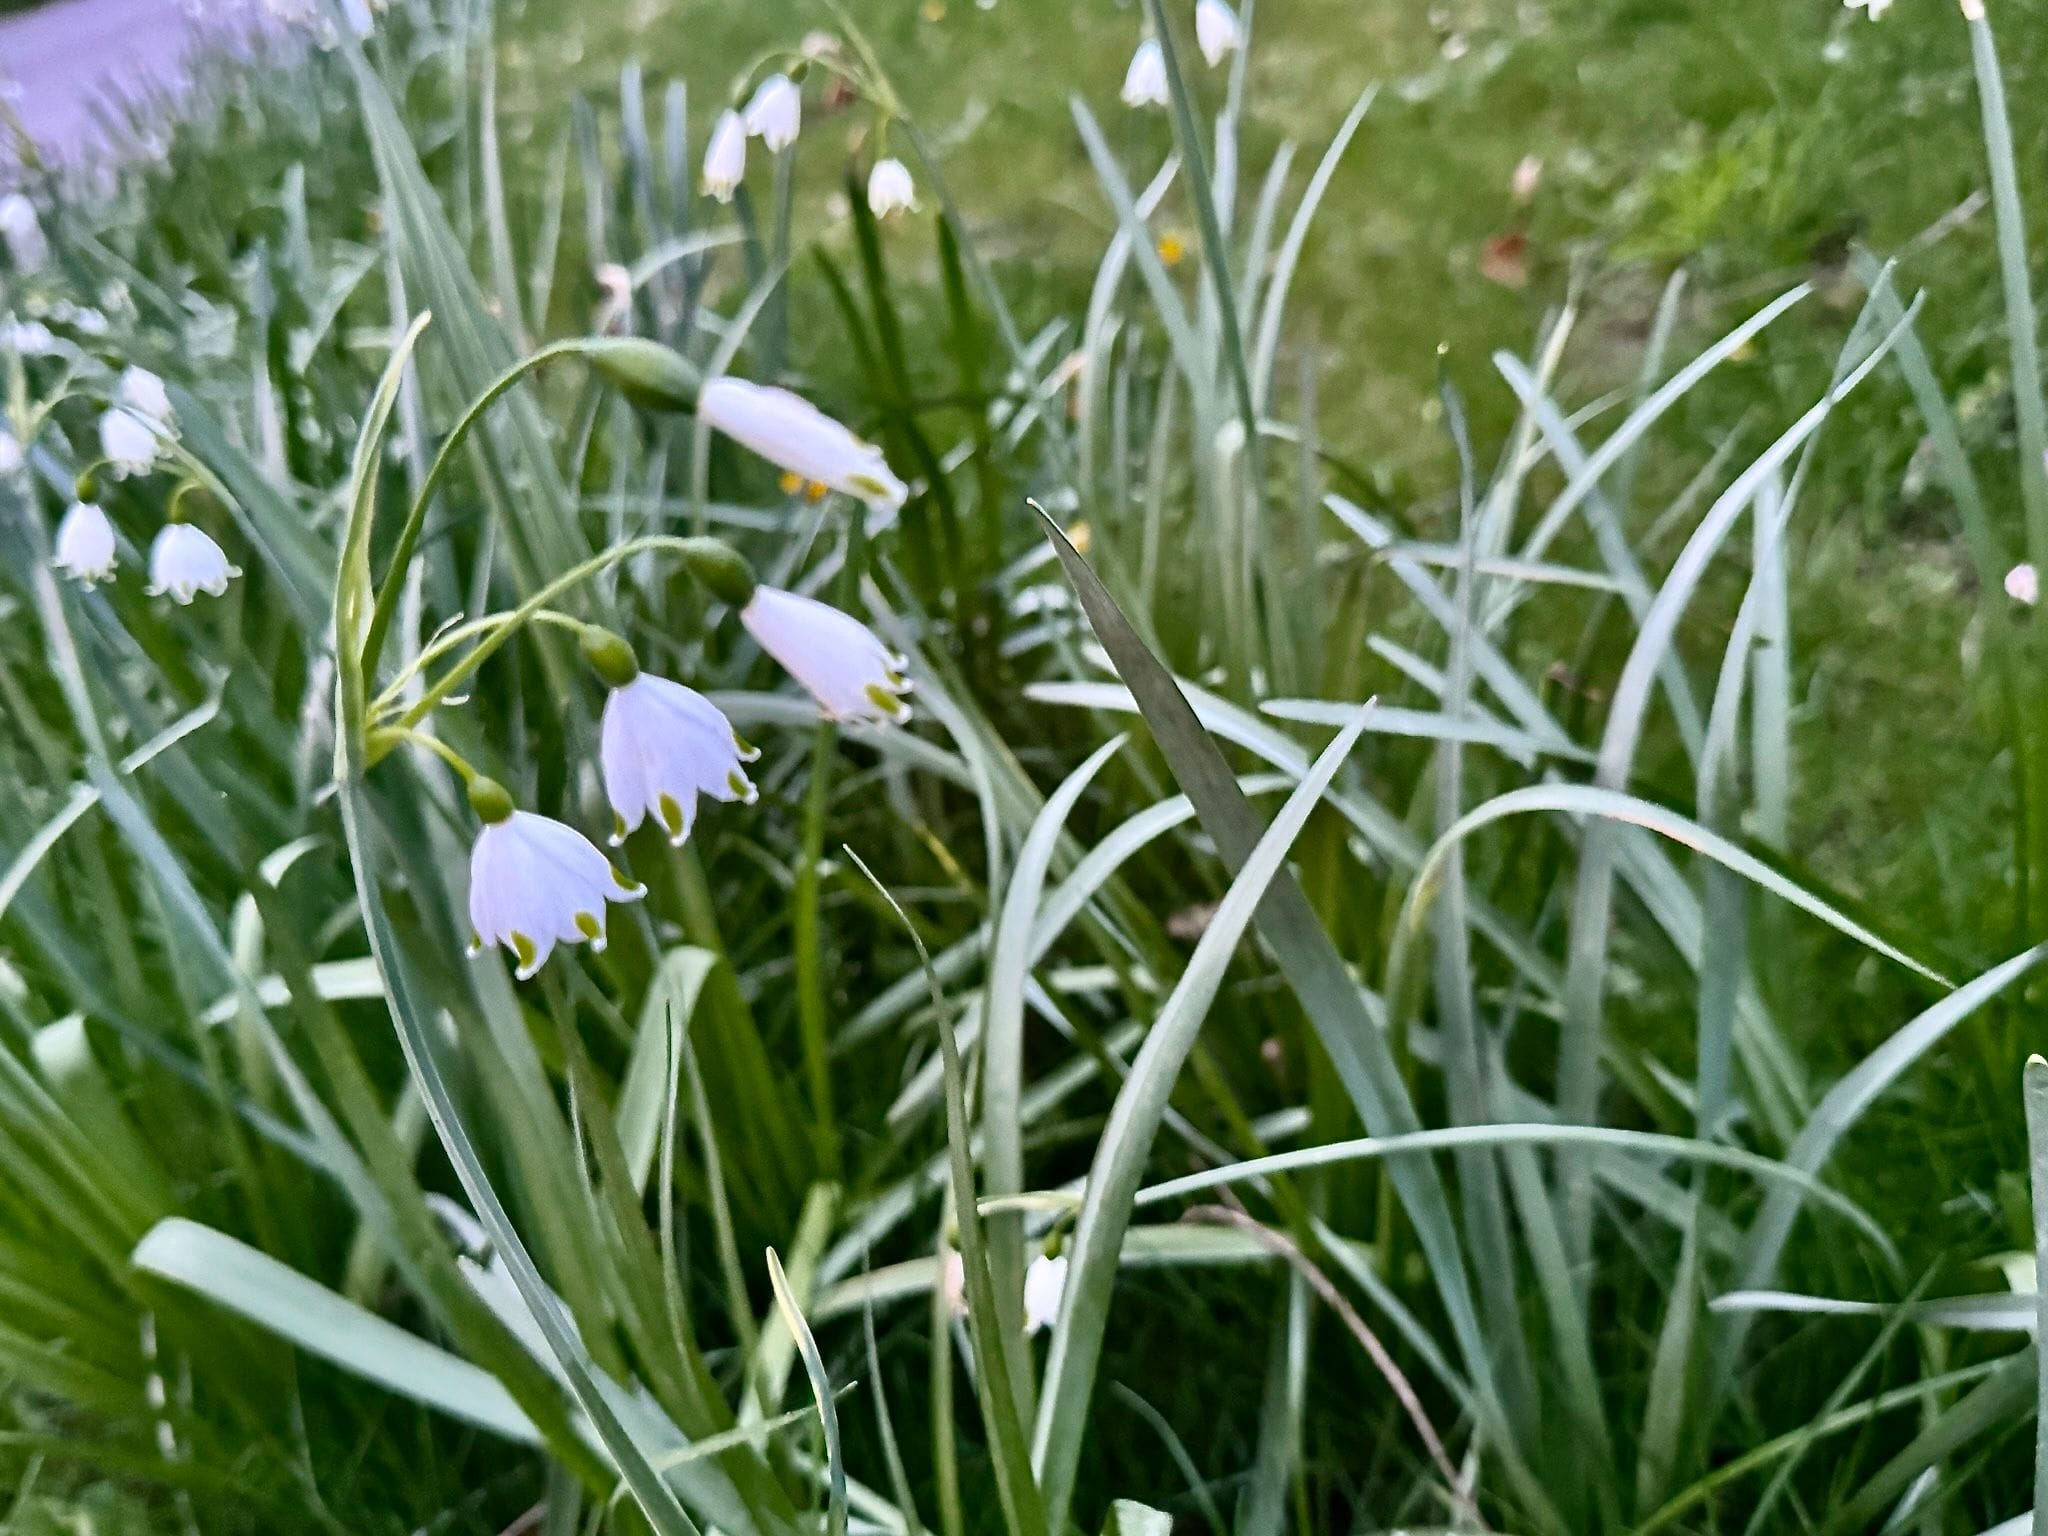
(1288,1249)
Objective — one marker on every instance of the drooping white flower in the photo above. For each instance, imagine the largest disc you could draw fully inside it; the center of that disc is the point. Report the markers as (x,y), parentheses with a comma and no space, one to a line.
(775,112)
(143,393)
(30,338)
(1872,8)
(1145,80)
(85,544)
(128,441)
(11,456)
(661,745)
(614,307)
(725,158)
(1045,1282)
(839,660)
(184,560)
(792,434)
(2023,584)
(953,1282)
(890,188)
(23,233)
(1216,30)
(535,882)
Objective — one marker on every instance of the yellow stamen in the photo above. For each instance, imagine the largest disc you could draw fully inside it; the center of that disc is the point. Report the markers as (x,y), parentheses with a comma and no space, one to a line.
(1171,249)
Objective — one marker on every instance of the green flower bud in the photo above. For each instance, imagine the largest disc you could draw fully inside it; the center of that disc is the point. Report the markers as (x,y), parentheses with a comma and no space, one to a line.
(652,376)
(609,656)
(721,570)
(491,800)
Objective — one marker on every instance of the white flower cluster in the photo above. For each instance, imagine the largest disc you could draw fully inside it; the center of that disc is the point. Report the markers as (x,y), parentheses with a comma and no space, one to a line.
(1216,33)
(774,115)
(183,560)
(535,882)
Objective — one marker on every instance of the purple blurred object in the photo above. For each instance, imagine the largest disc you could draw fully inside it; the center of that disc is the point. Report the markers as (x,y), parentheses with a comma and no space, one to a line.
(61,63)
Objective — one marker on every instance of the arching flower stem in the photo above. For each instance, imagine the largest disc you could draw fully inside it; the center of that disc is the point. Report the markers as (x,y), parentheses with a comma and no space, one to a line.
(715,564)
(384,738)
(386,607)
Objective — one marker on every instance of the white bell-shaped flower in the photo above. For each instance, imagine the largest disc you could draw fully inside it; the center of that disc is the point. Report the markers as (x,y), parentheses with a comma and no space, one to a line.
(11,455)
(30,338)
(128,442)
(839,661)
(1216,30)
(890,188)
(953,1282)
(535,882)
(85,544)
(725,158)
(661,745)
(793,434)
(1045,1282)
(143,393)
(184,560)
(23,233)
(2023,584)
(775,112)
(1145,80)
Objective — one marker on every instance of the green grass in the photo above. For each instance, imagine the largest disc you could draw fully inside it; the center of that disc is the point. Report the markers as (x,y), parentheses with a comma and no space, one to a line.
(244,1067)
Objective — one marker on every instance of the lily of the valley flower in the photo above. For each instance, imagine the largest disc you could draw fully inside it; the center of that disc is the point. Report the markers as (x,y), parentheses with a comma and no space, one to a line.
(953,1282)
(1871,8)
(22,232)
(890,188)
(184,561)
(1045,1282)
(1145,80)
(1216,30)
(792,434)
(839,660)
(30,338)
(11,456)
(128,442)
(775,112)
(143,393)
(2023,584)
(725,158)
(85,544)
(661,745)
(535,882)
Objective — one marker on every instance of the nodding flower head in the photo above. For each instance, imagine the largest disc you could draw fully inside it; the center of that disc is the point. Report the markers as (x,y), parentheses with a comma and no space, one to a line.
(839,660)
(1045,1282)
(22,233)
(725,158)
(128,442)
(143,392)
(890,188)
(775,112)
(85,544)
(661,745)
(184,560)
(1145,80)
(535,882)
(1216,30)
(792,434)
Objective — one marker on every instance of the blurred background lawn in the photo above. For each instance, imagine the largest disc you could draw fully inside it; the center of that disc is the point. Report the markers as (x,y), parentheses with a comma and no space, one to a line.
(1755,143)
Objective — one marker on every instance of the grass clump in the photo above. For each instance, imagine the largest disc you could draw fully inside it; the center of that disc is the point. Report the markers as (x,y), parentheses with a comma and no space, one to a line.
(1243,986)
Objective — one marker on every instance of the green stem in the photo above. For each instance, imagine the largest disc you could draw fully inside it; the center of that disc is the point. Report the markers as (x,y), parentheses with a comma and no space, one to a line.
(450,639)
(385,738)
(527,610)
(415,520)
(810,979)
